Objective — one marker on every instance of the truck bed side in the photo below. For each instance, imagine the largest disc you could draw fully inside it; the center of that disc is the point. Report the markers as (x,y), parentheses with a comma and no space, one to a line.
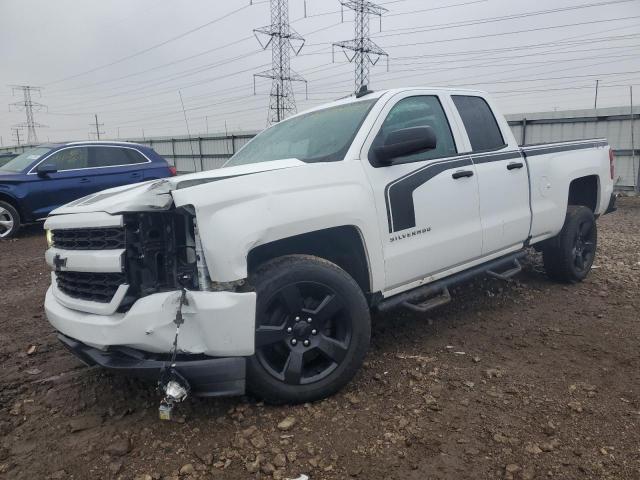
(579,168)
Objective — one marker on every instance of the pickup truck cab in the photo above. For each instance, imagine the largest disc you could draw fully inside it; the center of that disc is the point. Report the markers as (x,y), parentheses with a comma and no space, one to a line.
(45,177)
(274,262)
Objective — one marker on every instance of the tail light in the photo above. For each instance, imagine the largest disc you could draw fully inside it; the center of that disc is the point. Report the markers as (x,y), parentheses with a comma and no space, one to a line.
(174,171)
(612,163)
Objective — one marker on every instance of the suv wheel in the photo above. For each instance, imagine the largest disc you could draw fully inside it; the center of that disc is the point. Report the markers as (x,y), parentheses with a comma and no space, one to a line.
(569,256)
(9,220)
(312,330)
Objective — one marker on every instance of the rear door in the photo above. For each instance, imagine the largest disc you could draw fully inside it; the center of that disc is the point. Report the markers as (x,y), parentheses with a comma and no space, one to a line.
(502,176)
(428,203)
(114,166)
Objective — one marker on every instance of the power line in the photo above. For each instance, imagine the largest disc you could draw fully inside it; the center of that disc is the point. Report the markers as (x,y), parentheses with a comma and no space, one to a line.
(152,47)
(282,38)
(365,51)
(498,34)
(29,107)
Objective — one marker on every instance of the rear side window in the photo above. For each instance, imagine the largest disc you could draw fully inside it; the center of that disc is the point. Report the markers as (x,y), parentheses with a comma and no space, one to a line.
(480,123)
(114,156)
(69,159)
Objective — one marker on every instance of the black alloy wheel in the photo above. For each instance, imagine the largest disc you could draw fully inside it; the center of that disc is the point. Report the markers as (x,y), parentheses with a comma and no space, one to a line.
(312,330)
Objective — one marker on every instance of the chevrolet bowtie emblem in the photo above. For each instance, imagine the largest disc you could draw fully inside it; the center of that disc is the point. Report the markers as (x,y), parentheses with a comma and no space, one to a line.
(59,262)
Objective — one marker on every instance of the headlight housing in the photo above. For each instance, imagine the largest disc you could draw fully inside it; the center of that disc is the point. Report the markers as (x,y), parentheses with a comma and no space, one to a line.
(49,235)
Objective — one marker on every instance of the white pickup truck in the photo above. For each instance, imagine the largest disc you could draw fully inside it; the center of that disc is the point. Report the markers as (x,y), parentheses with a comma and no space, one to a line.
(275,261)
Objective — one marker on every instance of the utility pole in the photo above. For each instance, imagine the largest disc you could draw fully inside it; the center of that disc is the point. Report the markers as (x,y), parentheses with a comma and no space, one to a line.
(283,39)
(595,102)
(29,107)
(633,143)
(16,134)
(364,51)
(97,125)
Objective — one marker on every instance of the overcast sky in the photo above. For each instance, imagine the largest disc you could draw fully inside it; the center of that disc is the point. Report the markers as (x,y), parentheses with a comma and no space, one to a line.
(77,51)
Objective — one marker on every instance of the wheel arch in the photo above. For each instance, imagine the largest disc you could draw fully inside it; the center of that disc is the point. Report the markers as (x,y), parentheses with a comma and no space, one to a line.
(341,245)
(585,191)
(14,203)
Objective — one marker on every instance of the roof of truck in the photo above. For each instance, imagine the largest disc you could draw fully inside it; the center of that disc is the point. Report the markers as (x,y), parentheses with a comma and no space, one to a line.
(393,91)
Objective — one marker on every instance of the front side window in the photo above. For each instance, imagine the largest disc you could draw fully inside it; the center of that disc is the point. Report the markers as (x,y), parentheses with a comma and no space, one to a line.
(24,160)
(69,159)
(114,156)
(480,123)
(421,111)
(321,136)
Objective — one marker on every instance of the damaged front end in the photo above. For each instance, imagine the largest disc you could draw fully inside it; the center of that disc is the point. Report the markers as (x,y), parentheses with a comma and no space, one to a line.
(125,262)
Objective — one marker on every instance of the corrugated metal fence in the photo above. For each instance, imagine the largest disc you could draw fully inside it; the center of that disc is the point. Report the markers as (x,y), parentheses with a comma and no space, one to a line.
(207,152)
(197,154)
(615,124)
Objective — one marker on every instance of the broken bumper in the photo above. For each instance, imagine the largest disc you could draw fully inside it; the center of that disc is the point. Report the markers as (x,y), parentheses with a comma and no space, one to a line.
(216,324)
(209,377)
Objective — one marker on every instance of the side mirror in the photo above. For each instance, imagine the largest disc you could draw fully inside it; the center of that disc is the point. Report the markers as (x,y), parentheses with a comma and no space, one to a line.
(405,141)
(45,169)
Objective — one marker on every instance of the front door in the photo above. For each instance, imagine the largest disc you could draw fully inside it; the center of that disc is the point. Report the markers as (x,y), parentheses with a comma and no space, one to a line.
(70,182)
(427,203)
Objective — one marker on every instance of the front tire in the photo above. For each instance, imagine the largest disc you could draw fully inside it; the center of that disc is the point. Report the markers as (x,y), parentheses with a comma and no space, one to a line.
(569,256)
(312,330)
(9,220)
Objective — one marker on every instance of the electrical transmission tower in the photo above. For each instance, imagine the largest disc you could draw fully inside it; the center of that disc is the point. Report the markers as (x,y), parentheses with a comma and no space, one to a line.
(97,127)
(29,106)
(364,51)
(283,40)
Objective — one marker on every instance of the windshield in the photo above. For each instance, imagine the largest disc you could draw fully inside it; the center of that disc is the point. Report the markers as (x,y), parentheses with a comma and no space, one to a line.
(320,136)
(25,160)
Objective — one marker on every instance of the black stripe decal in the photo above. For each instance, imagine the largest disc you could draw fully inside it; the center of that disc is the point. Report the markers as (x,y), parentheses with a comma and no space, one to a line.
(533,151)
(496,157)
(399,193)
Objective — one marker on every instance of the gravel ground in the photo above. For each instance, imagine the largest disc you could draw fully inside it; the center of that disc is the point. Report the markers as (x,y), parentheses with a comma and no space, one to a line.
(523,380)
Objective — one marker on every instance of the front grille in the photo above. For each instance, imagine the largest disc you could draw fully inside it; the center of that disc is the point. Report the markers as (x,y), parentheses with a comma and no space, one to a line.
(89,239)
(96,287)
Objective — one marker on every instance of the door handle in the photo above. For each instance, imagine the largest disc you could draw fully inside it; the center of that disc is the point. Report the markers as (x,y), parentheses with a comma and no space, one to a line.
(136,174)
(514,165)
(84,180)
(462,174)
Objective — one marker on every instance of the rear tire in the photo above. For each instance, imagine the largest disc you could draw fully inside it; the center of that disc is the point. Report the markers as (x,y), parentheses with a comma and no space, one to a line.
(9,220)
(312,330)
(569,256)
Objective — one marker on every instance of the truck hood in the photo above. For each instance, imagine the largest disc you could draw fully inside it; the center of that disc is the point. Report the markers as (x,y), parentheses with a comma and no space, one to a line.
(156,194)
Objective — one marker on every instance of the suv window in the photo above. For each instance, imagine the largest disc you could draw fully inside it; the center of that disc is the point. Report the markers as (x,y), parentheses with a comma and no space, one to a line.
(114,156)
(420,111)
(69,159)
(480,123)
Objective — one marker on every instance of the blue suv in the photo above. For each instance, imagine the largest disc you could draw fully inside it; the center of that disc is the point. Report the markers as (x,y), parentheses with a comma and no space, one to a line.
(46,177)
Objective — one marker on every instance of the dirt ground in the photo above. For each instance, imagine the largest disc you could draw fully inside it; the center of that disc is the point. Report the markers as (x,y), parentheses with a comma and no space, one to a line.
(529,379)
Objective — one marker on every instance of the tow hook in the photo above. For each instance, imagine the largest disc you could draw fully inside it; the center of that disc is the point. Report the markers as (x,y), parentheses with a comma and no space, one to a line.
(172,385)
